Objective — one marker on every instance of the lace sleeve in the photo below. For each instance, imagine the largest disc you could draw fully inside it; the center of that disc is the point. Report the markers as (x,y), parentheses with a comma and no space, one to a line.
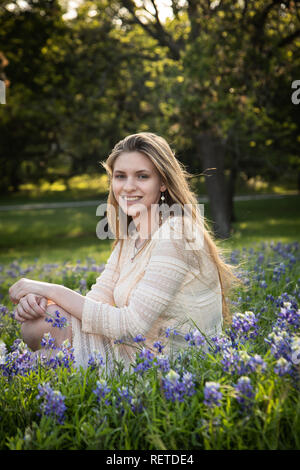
(162,279)
(102,290)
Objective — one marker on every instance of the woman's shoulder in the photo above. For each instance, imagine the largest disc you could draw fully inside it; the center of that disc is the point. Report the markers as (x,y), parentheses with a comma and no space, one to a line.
(181,231)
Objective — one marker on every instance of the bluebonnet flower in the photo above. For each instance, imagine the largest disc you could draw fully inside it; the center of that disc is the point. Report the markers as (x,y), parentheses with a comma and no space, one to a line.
(263,284)
(3,310)
(20,361)
(82,285)
(101,391)
(260,258)
(257,364)
(280,342)
(195,338)
(95,360)
(159,346)
(290,314)
(178,387)
(278,272)
(123,397)
(48,342)
(171,331)
(53,404)
(244,392)
(139,338)
(146,361)
(241,363)
(212,394)
(220,343)
(244,326)
(63,358)
(282,367)
(234,257)
(57,320)
(162,362)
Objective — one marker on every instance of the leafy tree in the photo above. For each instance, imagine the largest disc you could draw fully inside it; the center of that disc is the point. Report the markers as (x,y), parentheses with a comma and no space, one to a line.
(230,54)
(26,130)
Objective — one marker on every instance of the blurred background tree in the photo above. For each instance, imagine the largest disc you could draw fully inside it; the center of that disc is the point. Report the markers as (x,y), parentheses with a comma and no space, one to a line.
(214,78)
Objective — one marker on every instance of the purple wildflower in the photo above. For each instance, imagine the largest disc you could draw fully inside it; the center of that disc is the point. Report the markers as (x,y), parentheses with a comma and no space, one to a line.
(244,392)
(101,391)
(162,362)
(123,398)
(95,360)
(139,338)
(57,320)
(212,394)
(241,363)
(171,331)
(244,326)
(159,346)
(282,367)
(220,343)
(48,342)
(195,338)
(53,404)
(280,342)
(176,387)
(63,358)
(20,361)
(289,314)
(145,361)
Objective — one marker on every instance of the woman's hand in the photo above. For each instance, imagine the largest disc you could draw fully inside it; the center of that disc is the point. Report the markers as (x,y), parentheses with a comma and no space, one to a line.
(27,286)
(30,307)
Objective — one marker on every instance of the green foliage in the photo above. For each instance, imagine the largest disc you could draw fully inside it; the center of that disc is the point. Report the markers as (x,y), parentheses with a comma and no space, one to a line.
(273,422)
(74,88)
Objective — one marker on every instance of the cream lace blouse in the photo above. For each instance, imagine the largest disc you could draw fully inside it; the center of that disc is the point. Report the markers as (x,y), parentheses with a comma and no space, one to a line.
(162,287)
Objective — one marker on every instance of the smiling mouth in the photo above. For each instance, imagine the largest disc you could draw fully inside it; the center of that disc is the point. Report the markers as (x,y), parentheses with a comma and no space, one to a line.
(131,199)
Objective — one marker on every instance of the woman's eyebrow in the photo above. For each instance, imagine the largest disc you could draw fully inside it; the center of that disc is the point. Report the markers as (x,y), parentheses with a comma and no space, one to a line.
(139,171)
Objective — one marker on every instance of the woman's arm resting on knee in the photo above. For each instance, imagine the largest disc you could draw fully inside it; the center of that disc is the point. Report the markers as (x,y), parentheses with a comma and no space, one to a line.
(69,300)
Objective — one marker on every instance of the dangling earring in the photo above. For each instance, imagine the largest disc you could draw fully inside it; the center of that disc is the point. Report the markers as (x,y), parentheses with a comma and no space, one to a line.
(164,208)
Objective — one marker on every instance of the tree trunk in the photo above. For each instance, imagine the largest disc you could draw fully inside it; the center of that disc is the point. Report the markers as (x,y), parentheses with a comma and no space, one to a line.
(231,192)
(212,154)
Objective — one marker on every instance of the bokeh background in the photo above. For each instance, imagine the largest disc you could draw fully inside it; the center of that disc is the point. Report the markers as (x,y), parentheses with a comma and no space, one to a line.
(220,80)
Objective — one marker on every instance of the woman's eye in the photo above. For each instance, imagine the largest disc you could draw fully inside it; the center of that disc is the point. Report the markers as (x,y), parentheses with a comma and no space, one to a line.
(140,176)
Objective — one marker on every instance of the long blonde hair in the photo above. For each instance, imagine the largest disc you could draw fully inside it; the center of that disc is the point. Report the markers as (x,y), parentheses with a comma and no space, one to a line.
(175,176)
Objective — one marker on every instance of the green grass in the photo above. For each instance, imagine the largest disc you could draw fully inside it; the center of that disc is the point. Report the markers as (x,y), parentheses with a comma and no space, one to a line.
(271,422)
(69,234)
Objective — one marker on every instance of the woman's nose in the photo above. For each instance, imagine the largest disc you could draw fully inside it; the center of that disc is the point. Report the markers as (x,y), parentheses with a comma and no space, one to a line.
(129,184)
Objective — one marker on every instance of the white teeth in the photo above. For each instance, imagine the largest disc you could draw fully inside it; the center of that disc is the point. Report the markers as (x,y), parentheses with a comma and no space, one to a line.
(131,198)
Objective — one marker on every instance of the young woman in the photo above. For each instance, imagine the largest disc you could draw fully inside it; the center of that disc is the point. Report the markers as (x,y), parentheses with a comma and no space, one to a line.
(157,276)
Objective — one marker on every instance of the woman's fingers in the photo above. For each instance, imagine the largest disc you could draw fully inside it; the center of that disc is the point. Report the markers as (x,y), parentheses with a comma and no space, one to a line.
(17,317)
(22,313)
(31,307)
(43,302)
(28,309)
(36,308)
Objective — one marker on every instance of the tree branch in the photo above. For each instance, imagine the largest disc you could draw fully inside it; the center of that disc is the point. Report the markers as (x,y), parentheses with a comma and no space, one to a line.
(155,29)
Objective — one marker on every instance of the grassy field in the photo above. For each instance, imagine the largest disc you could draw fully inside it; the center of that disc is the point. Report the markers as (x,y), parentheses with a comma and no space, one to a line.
(241,394)
(69,234)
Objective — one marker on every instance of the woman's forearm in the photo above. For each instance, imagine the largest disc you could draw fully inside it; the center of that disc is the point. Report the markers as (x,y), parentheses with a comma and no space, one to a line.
(67,299)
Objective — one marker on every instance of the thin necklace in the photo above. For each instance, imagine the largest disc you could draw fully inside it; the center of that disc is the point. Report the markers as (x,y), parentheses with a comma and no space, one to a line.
(137,250)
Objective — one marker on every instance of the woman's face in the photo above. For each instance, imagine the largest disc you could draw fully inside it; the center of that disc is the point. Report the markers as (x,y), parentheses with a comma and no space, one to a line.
(135,176)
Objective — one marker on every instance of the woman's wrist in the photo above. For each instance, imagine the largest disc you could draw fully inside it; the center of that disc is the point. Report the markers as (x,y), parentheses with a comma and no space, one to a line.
(50,292)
